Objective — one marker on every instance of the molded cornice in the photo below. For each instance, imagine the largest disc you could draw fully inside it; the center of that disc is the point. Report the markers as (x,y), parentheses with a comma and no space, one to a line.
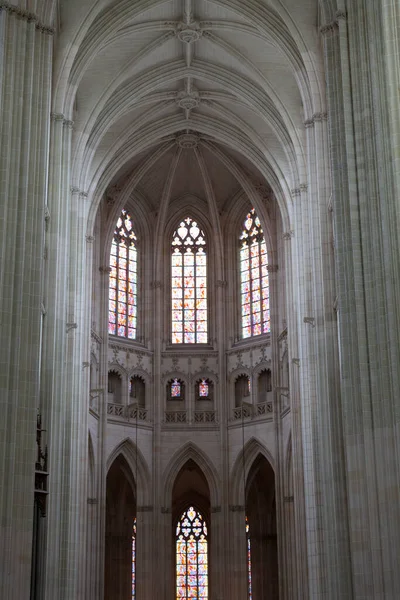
(27,16)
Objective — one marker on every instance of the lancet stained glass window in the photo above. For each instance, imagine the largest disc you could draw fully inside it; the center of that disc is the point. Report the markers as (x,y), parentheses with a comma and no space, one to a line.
(176,389)
(191,556)
(134,560)
(254,278)
(122,315)
(189,284)
(250,595)
(203,388)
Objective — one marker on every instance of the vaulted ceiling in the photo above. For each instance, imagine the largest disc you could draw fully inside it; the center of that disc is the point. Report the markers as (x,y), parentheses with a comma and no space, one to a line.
(188,94)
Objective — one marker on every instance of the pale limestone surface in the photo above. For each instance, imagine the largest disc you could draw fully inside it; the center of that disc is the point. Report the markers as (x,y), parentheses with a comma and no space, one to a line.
(205,108)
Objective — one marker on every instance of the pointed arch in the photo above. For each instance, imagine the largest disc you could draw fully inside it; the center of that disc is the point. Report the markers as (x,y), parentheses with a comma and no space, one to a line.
(252,449)
(190,451)
(134,458)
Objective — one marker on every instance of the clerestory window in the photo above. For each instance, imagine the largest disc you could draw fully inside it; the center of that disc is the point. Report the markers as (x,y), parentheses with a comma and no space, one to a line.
(189,284)
(122,315)
(254,282)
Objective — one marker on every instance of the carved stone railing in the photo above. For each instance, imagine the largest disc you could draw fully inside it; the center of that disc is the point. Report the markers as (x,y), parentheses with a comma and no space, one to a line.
(127,413)
(252,411)
(264,408)
(198,417)
(175,416)
(205,416)
(137,412)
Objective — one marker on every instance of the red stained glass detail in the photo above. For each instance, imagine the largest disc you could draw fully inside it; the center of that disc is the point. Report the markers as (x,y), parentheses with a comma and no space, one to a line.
(176,389)
(203,388)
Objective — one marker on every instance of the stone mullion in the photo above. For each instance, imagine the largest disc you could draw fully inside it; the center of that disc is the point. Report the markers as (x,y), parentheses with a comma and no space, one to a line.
(391,57)
(77,392)
(376,186)
(283,533)
(237,553)
(21,263)
(329,421)
(54,350)
(103,289)
(162,522)
(144,553)
(352,318)
(302,305)
(300,548)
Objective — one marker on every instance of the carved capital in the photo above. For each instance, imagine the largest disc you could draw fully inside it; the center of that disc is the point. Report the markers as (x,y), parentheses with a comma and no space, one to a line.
(221,283)
(68,124)
(295,191)
(105,270)
(57,117)
(309,321)
(272,268)
(236,508)
(144,509)
(156,285)
(90,239)
(288,235)
(71,326)
(215,509)
(28,16)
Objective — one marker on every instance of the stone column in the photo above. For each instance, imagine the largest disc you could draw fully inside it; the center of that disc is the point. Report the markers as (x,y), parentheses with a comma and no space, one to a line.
(364,123)
(25,84)
(325,490)
(236,555)
(300,566)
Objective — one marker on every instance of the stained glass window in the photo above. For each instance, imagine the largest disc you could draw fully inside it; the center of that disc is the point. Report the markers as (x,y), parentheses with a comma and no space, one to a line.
(203,388)
(122,308)
(189,284)
(191,556)
(254,278)
(250,596)
(134,560)
(176,389)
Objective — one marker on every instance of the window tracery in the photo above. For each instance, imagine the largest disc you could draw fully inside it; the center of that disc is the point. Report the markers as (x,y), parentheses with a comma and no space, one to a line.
(254,278)
(191,556)
(189,284)
(122,315)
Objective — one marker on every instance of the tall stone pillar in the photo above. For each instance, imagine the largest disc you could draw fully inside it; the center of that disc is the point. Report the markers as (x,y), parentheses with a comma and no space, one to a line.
(25,84)
(325,491)
(364,127)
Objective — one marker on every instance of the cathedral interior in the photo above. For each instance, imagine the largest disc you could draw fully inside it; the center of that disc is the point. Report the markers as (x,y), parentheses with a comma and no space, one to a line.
(200,299)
